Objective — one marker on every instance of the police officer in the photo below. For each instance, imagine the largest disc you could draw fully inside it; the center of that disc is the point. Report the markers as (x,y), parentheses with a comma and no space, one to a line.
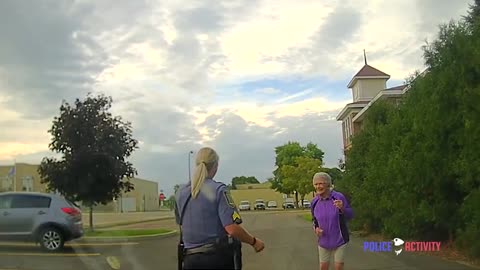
(209,220)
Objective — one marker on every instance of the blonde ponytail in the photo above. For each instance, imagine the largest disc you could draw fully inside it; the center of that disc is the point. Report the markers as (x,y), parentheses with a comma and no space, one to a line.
(198,178)
(205,161)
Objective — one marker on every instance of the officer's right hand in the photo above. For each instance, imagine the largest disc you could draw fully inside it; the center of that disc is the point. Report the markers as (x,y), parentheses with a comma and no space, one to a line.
(259,245)
(318,231)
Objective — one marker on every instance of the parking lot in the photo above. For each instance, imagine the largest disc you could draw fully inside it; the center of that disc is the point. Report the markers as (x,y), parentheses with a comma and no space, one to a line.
(290,244)
(27,256)
(148,253)
(85,254)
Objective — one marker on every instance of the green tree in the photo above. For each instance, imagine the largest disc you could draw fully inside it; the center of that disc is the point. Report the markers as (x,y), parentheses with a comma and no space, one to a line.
(171,202)
(474,13)
(356,183)
(335,173)
(298,177)
(240,180)
(176,188)
(413,170)
(94,146)
(286,155)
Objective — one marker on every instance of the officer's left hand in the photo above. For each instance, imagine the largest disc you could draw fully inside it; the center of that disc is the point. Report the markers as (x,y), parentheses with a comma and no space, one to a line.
(338,204)
(259,245)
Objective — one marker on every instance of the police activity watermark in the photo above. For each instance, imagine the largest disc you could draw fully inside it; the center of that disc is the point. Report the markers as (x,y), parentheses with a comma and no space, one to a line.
(398,245)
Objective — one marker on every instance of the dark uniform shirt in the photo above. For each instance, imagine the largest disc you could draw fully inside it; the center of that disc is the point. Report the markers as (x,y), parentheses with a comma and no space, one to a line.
(206,215)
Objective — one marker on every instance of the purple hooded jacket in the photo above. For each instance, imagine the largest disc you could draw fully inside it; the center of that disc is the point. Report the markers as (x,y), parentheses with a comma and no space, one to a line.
(331,221)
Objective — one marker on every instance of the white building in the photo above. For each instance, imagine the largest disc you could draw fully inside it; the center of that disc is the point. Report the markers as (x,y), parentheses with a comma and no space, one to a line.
(367,86)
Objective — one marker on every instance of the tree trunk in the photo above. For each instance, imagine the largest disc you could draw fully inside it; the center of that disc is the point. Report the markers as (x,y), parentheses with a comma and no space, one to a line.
(450,238)
(296,199)
(91,218)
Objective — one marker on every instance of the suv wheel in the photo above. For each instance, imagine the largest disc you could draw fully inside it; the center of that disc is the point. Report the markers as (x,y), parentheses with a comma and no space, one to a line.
(51,239)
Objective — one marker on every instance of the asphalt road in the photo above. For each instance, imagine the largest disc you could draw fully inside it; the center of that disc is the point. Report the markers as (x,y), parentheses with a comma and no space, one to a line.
(290,244)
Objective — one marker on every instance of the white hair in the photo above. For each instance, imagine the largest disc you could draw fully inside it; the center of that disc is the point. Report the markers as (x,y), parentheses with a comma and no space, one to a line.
(323,175)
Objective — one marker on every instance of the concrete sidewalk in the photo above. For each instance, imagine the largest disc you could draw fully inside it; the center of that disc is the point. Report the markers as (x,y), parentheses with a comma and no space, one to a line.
(168,221)
(101,220)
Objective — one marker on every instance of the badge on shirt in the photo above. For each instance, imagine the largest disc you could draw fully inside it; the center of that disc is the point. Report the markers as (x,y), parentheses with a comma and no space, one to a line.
(229,199)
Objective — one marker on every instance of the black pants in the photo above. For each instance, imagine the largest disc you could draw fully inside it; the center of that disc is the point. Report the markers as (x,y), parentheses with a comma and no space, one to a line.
(221,259)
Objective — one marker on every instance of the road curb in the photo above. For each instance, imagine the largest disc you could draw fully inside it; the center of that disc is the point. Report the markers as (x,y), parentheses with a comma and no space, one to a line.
(116,224)
(289,212)
(276,211)
(125,238)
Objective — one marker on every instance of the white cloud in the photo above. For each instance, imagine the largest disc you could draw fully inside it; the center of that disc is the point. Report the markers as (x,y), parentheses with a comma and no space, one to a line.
(274,28)
(167,65)
(10,150)
(21,136)
(265,115)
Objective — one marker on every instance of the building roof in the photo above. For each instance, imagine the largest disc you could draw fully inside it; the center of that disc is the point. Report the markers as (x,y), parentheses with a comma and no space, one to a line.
(368,72)
(351,106)
(359,102)
(399,87)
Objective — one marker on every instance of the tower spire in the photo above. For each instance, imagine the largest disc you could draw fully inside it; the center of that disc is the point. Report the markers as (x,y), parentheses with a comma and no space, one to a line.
(364,56)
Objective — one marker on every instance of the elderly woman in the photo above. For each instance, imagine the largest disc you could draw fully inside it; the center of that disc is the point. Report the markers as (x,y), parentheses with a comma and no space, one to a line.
(330,211)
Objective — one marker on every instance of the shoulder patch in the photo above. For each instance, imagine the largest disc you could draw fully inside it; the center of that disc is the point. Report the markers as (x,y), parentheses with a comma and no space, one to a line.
(236,218)
(229,198)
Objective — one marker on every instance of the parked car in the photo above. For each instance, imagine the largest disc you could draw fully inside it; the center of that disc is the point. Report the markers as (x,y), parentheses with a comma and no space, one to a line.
(47,219)
(244,206)
(288,203)
(259,204)
(271,204)
(306,204)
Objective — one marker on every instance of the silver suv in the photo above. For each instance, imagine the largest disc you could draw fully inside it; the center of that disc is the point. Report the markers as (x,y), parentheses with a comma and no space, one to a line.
(47,219)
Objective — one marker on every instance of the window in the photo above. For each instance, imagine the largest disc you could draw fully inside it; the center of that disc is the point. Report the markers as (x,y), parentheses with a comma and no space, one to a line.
(6,184)
(348,129)
(27,183)
(5,201)
(30,201)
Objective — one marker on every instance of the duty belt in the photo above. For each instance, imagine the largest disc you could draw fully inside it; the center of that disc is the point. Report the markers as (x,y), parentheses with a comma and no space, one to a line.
(202,249)
(219,243)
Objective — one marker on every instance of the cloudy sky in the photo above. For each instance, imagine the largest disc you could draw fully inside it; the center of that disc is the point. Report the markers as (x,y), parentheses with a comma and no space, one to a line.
(240,76)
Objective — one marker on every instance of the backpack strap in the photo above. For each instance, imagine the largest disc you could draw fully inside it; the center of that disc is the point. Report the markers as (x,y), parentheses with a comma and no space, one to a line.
(182,214)
(314,219)
(181,246)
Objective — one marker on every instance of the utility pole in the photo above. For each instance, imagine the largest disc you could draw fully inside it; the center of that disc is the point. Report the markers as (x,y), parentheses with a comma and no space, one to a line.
(189,166)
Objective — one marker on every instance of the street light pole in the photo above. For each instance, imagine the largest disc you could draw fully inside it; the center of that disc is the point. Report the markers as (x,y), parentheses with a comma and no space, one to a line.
(189,166)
